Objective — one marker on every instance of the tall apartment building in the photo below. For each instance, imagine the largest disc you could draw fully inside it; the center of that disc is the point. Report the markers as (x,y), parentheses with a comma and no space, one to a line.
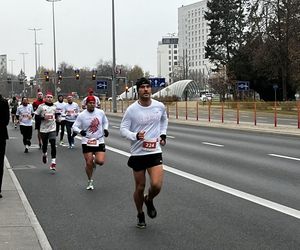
(193,33)
(167,57)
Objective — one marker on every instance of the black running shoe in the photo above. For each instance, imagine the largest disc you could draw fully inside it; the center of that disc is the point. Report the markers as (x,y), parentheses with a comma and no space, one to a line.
(45,159)
(141,221)
(151,211)
(26,150)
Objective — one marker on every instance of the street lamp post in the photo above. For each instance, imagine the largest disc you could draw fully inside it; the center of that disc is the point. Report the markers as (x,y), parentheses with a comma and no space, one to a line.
(54,45)
(35,49)
(114,99)
(12,73)
(39,57)
(24,74)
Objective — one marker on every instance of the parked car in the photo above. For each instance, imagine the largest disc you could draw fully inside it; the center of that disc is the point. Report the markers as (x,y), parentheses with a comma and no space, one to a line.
(119,98)
(206,97)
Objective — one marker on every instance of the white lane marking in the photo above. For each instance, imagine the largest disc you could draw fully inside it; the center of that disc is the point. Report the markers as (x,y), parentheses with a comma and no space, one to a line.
(170,136)
(285,157)
(115,126)
(212,144)
(255,199)
(252,198)
(42,238)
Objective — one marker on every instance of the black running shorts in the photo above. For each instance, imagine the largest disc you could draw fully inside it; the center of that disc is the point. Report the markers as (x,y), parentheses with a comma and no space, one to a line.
(48,136)
(88,149)
(142,162)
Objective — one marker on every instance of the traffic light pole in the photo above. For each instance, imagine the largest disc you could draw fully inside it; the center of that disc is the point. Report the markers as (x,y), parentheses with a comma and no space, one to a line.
(114,97)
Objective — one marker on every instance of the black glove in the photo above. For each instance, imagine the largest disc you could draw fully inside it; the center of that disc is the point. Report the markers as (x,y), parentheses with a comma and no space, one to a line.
(83,132)
(74,134)
(106,133)
(39,118)
(163,138)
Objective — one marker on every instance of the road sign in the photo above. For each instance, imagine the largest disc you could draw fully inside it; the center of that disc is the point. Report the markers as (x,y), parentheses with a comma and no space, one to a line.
(157,82)
(58,89)
(275,86)
(101,84)
(243,85)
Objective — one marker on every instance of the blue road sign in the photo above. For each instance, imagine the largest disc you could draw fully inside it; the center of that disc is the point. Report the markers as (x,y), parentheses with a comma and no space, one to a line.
(157,82)
(101,85)
(243,85)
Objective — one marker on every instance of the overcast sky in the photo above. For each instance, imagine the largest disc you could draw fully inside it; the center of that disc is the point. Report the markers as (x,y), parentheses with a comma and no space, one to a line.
(84,31)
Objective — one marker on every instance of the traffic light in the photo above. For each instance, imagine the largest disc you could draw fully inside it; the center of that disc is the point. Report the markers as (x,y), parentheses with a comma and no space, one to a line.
(94,73)
(46,74)
(8,80)
(59,73)
(77,74)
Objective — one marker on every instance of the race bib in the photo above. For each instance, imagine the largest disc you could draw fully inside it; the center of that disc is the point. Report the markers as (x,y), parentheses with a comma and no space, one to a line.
(25,117)
(49,116)
(149,145)
(92,142)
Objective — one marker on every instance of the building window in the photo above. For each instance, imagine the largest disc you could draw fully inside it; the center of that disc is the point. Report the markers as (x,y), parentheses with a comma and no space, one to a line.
(170,69)
(175,63)
(175,46)
(175,57)
(175,51)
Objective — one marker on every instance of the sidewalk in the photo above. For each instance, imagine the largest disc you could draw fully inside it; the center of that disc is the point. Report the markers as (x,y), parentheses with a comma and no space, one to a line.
(243,126)
(19,227)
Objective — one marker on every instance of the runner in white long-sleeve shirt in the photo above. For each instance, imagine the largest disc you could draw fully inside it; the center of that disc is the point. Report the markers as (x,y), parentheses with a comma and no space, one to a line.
(92,124)
(71,111)
(145,125)
(60,121)
(24,117)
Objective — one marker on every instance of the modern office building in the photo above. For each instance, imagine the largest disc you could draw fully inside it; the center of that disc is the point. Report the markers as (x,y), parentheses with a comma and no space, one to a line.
(167,57)
(193,33)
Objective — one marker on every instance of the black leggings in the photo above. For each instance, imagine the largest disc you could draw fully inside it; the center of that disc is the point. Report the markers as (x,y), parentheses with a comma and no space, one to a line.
(51,137)
(26,131)
(2,154)
(69,132)
(62,129)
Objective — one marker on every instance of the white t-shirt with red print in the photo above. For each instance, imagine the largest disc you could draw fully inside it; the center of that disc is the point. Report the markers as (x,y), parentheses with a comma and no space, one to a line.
(93,123)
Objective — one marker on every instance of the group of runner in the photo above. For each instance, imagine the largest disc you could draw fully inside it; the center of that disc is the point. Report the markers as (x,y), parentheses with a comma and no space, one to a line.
(144,124)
